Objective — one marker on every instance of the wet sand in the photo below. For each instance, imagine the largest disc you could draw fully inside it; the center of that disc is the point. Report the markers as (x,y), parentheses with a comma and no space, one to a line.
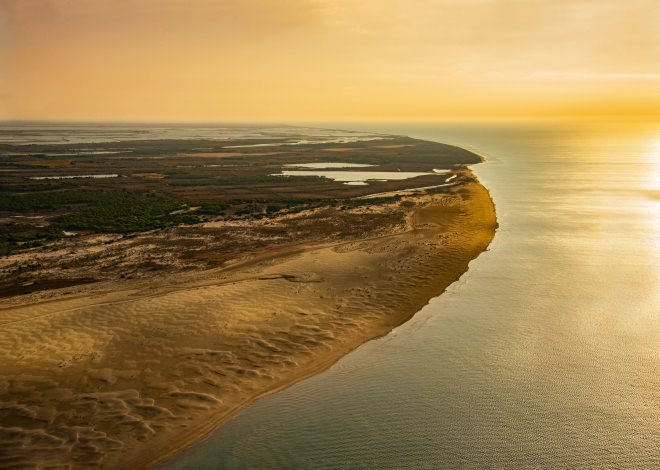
(125,375)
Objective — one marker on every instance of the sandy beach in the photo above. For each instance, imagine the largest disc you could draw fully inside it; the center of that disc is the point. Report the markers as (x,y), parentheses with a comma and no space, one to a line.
(124,374)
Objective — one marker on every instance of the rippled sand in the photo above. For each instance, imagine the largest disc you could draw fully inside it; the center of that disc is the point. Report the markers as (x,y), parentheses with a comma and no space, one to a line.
(126,377)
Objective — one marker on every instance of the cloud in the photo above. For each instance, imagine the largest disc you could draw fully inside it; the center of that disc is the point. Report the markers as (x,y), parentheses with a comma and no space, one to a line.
(86,54)
(595,76)
(37,20)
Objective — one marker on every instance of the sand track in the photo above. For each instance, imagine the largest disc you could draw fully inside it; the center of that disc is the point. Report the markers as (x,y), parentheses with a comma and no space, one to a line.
(127,376)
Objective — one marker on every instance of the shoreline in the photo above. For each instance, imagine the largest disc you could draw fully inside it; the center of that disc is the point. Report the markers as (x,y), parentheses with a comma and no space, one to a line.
(170,364)
(319,368)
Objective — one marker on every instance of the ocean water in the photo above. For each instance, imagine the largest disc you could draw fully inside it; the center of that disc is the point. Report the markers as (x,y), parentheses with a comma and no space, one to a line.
(546,354)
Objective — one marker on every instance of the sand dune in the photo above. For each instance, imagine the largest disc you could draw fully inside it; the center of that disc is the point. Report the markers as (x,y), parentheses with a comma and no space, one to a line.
(128,374)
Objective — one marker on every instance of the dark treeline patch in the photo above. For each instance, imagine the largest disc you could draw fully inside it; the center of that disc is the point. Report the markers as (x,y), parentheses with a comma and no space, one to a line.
(36,187)
(98,211)
(123,212)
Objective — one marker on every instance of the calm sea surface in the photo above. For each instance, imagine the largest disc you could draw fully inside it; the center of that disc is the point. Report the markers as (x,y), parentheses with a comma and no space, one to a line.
(545,354)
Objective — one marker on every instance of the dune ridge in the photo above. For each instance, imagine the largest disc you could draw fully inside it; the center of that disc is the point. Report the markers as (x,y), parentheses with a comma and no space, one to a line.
(127,374)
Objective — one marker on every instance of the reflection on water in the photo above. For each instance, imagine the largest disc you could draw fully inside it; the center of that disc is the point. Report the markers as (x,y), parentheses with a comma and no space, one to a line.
(72,177)
(336,140)
(321,165)
(545,354)
(357,176)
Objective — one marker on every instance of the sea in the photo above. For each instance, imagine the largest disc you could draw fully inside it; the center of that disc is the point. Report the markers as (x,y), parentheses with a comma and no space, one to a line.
(545,354)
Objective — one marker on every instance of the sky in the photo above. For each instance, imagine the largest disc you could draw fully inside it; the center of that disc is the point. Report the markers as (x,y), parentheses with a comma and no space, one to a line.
(321,60)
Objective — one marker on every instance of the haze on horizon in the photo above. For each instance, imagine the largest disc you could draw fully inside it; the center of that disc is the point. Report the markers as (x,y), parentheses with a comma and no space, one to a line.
(318,60)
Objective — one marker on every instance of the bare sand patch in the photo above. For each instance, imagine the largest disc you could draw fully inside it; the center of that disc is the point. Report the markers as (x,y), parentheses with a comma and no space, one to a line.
(213,154)
(127,373)
(394,146)
(151,176)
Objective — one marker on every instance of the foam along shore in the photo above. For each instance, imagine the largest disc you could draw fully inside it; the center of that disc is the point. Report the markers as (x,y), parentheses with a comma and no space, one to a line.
(124,375)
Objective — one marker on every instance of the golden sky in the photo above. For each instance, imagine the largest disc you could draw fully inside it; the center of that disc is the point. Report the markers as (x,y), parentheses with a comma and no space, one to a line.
(264,60)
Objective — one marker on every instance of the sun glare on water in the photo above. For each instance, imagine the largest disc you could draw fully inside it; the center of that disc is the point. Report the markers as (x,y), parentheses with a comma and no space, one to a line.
(654,177)
(654,187)
(655,158)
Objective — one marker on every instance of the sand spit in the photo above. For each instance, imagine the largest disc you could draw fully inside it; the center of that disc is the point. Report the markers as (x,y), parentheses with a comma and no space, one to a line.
(124,376)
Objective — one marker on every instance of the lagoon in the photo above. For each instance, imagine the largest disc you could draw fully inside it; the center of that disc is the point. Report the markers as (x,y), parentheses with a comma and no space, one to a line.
(356,176)
(70,177)
(322,165)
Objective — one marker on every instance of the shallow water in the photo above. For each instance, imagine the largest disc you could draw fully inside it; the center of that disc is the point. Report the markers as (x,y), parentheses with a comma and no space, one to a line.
(355,176)
(322,165)
(545,354)
(73,177)
(317,140)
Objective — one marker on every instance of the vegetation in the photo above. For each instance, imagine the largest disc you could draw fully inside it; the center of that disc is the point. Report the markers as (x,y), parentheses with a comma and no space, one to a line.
(26,235)
(35,187)
(125,211)
(97,211)
(174,182)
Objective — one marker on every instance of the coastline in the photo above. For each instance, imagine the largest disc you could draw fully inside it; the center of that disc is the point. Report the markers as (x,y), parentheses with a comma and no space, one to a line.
(159,364)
